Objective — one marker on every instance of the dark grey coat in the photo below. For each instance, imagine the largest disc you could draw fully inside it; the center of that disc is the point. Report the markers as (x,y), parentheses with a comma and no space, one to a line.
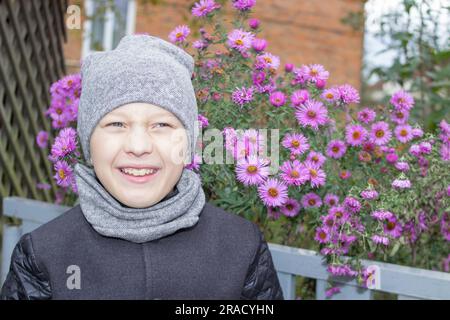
(223,256)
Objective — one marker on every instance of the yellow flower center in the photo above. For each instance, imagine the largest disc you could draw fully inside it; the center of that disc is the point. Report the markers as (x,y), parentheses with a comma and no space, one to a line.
(379,133)
(61,173)
(252,169)
(273,192)
(295,143)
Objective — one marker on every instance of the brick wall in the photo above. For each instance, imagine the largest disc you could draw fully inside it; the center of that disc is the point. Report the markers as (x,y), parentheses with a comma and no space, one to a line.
(299,31)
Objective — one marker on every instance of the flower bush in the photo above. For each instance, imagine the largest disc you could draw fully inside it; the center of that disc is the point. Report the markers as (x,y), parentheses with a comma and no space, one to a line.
(352,181)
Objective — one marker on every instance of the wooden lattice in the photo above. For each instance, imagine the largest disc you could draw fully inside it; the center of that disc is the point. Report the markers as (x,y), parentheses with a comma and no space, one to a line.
(31,59)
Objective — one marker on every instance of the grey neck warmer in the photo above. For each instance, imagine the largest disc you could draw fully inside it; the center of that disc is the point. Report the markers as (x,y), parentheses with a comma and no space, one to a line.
(180,209)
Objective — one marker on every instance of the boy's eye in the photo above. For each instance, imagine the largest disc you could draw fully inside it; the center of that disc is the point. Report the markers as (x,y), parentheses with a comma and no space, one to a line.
(113,124)
(162,124)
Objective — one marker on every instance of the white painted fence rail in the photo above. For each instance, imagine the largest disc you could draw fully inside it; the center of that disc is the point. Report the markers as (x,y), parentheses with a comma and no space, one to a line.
(406,282)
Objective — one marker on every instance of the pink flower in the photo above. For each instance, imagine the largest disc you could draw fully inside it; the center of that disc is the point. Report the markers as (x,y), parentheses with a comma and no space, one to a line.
(253,23)
(336,149)
(314,73)
(195,163)
(341,270)
(415,150)
(332,291)
(259,44)
(348,94)
(315,175)
(369,194)
(200,44)
(291,208)
(366,115)
(311,200)
(42,139)
(380,133)
(299,97)
(64,173)
(273,192)
(179,34)
(355,134)
(403,133)
(203,121)
(277,99)
(240,40)
(322,235)
(331,95)
(242,96)
(316,157)
(252,170)
(291,173)
(402,166)
(312,113)
(288,67)
(204,7)
(345,174)
(267,61)
(331,200)
(417,132)
(380,240)
(392,227)
(402,100)
(401,184)
(352,204)
(297,143)
(382,215)
(243,5)
(425,147)
(400,116)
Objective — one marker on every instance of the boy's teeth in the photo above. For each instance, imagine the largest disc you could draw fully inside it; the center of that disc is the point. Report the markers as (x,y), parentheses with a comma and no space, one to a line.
(138,172)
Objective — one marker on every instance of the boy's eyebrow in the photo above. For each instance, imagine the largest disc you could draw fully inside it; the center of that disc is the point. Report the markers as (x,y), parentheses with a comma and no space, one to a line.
(125,114)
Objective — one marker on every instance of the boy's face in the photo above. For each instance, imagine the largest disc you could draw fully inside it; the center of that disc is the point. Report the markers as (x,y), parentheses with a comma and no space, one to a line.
(139,135)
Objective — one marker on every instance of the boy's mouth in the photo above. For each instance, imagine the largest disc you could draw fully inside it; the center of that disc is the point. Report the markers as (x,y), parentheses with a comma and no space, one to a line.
(138,175)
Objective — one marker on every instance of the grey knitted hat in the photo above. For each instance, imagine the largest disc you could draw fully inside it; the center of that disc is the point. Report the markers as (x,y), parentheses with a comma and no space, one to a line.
(142,68)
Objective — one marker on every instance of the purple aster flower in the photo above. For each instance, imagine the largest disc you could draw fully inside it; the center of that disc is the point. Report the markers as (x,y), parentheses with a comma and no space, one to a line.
(336,149)
(377,239)
(316,157)
(402,166)
(355,134)
(195,163)
(445,226)
(366,115)
(322,235)
(299,97)
(402,100)
(288,67)
(352,204)
(204,7)
(179,34)
(331,200)
(291,208)
(380,133)
(341,270)
(313,72)
(64,173)
(200,44)
(242,96)
(42,139)
(64,144)
(240,40)
(315,174)
(203,121)
(400,116)
(291,173)
(277,99)
(425,147)
(273,192)
(415,150)
(331,95)
(445,152)
(392,227)
(267,61)
(259,45)
(348,94)
(403,133)
(312,113)
(253,23)
(401,184)
(252,170)
(297,143)
(311,200)
(332,291)
(345,174)
(369,194)
(43,186)
(339,214)
(243,5)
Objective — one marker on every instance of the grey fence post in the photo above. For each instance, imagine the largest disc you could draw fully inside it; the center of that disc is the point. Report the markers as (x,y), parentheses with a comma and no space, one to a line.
(288,285)
(11,234)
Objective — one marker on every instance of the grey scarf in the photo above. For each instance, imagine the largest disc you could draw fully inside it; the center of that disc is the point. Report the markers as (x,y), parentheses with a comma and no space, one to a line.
(179,209)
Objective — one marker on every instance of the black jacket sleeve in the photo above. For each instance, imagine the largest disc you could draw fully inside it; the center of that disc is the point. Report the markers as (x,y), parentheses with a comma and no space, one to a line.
(262,282)
(25,281)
